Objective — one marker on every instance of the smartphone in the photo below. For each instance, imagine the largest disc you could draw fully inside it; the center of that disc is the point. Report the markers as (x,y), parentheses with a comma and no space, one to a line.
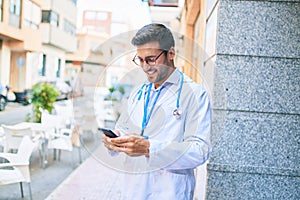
(108,132)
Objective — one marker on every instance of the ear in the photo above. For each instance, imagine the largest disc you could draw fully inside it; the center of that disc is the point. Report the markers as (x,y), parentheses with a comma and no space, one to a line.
(171,53)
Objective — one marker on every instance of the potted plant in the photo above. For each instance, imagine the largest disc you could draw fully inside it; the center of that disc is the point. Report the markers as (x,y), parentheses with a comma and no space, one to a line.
(43,96)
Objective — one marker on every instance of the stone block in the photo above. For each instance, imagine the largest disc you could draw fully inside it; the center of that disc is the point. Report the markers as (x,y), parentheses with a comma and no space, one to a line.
(261,28)
(257,84)
(259,143)
(236,186)
(255,156)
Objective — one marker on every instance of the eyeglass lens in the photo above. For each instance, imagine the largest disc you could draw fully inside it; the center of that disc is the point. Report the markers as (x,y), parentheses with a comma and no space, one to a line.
(151,60)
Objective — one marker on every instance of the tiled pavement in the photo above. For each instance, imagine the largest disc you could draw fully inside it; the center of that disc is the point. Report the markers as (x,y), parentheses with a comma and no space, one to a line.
(91,180)
(94,181)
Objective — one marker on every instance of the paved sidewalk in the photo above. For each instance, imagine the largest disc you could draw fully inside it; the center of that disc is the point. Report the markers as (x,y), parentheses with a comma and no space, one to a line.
(91,180)
(94,181)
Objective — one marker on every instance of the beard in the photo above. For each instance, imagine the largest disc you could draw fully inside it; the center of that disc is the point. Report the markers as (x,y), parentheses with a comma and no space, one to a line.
(159,75)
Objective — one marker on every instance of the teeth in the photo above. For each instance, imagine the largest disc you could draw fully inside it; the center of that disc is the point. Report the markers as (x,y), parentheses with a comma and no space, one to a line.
(151,72)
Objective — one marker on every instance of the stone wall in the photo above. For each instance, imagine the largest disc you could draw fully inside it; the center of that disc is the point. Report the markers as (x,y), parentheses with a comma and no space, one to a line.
(255,79)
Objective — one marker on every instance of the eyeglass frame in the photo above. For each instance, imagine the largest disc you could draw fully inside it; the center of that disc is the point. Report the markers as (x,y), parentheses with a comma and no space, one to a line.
(148,58)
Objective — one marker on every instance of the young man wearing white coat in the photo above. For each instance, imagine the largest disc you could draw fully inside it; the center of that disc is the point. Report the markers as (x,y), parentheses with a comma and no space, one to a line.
(165,131)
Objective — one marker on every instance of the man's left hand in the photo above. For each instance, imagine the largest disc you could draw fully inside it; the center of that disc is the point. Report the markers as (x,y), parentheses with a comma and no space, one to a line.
(132,145)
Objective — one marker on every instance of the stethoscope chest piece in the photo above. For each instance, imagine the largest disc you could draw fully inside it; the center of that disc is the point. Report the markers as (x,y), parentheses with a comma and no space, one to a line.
(177,113)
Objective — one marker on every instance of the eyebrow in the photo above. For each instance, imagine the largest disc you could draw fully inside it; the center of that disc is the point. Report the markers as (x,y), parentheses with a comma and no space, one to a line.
(147,57)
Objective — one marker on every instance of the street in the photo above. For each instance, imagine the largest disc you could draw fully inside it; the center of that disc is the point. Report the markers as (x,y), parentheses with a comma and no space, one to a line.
(14,113)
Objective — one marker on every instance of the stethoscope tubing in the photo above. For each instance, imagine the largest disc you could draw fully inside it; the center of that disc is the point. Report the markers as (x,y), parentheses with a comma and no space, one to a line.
(146,117)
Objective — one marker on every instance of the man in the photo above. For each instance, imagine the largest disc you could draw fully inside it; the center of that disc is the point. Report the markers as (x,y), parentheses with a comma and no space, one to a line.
(165,131)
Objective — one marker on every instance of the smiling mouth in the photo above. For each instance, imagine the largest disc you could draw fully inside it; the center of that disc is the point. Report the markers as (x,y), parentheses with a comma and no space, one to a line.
(151,72)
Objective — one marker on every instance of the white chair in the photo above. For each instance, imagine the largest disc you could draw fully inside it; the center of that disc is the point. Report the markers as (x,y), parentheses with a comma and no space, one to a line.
(65,108)
(16,170)
(66,111)
(14,136)
(60,138)
(55,122)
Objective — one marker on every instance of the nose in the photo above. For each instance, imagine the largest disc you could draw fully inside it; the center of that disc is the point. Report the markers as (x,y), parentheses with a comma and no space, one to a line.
(145,66)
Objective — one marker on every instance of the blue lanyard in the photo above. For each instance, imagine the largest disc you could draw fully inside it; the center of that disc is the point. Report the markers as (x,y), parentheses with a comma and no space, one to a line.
(139,94)
(146,117)
(179,91)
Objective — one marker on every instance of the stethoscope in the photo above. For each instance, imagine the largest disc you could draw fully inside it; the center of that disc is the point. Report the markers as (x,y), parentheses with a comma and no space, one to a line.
(147,112)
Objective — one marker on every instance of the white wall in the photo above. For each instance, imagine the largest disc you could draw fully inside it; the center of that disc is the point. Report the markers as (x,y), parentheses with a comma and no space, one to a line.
(52,56)
(4,65)
(33,61)
(66,10)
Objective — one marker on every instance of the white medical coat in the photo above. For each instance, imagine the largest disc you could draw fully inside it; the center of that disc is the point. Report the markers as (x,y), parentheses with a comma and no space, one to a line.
(177,146)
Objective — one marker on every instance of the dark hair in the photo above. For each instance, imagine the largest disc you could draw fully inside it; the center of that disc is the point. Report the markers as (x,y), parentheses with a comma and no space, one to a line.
(154,32)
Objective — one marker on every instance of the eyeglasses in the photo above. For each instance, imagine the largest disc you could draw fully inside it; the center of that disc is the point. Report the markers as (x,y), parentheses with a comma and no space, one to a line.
(150,60)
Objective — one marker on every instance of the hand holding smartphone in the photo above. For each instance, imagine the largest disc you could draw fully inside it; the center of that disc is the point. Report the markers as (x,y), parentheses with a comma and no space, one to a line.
(108,132)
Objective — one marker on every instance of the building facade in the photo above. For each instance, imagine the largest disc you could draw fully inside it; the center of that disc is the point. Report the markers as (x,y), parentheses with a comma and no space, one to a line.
(34,38)
(86,61)
(19,35)
(58,27)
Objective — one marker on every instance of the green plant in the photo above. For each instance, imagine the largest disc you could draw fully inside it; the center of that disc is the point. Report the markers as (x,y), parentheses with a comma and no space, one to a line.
(111,91)
(43,96)
(114,89)
(121,90)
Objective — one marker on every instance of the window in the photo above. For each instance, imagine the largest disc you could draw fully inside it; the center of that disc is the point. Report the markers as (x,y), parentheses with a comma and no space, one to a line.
(90,15)
(15,7)
(69,27)
(102,16)
(51,17)
(32,14)
(58,68)
(45,16)
(54,18)
(14,13)
(95,15)
(1,10)
(42,69)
